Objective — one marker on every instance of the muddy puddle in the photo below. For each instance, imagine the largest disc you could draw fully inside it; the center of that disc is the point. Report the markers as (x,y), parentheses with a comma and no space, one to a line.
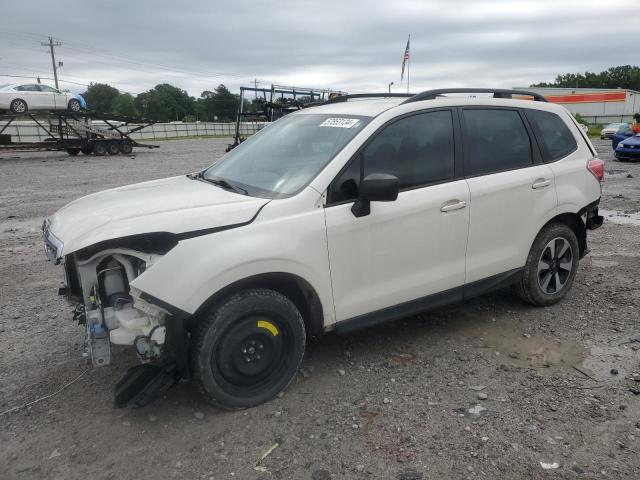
(621,217)
(515,348)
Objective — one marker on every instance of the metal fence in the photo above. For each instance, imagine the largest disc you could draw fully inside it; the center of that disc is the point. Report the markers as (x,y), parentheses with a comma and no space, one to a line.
(28,131)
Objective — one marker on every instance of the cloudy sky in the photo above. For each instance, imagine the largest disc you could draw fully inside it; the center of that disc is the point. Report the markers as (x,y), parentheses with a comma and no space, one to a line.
(348,45)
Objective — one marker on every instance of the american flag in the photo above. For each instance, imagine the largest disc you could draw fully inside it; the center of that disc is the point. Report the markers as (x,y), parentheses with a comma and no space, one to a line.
(405,58)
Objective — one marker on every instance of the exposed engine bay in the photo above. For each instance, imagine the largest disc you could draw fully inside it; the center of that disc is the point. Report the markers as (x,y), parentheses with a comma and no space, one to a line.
(110,309)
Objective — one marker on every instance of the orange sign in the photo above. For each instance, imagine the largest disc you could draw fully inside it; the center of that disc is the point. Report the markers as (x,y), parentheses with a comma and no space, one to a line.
(588,97)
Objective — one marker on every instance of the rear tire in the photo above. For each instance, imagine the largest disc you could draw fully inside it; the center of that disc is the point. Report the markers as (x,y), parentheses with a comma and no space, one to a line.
(18,106)
(73,151)
(247,348)
(551,266)
(87,150)
(99,149)
(126,148)
(113,148)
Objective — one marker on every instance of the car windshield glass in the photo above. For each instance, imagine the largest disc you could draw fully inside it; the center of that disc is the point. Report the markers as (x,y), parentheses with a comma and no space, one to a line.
(285,156)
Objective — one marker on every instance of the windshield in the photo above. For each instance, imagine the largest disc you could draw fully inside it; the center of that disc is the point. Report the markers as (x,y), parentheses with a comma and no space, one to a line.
(285,156)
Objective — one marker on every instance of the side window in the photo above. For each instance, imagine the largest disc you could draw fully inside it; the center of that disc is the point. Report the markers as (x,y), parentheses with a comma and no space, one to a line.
(495,140)
(417,149)
(28,88)
(48,89)
(555,138)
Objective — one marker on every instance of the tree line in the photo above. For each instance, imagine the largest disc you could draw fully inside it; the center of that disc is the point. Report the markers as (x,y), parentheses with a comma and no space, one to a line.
(625,76)
(165,103)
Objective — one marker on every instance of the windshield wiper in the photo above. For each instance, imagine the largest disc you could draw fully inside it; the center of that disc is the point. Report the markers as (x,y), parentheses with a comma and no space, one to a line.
(222,183)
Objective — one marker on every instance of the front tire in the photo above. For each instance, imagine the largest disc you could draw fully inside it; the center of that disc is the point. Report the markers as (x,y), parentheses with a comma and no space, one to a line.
(18,106)
(74,105)
(551,266)
(247,349)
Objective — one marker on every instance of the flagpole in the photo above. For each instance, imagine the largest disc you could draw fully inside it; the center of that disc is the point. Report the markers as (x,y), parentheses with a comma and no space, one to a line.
(409,64)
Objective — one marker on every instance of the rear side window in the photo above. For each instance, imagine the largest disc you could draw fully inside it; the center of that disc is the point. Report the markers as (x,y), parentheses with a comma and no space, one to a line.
(495,140)
(555,138)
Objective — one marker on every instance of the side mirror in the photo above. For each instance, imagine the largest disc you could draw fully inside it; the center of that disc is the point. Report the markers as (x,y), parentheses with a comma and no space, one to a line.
(376,187)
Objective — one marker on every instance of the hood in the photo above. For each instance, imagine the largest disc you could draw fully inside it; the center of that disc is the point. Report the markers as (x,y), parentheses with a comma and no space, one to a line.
(174,205)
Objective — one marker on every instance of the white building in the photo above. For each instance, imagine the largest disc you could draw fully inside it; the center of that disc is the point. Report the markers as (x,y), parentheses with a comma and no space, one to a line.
(595,105)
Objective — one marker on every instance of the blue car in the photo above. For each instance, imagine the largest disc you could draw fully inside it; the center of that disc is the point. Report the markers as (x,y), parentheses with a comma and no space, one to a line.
(629,148)
(623,132)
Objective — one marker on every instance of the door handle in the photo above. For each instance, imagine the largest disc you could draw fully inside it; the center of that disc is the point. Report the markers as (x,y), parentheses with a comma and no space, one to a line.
(541,183)
(453,205)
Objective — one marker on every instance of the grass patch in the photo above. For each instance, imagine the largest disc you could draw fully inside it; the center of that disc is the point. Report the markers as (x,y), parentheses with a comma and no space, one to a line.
(594,130)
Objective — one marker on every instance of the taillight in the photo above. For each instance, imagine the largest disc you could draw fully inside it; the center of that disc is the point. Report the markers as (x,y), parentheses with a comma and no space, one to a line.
(596,167)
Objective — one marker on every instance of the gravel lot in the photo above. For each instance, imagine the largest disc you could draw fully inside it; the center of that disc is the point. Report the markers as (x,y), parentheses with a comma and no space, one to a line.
(489,388)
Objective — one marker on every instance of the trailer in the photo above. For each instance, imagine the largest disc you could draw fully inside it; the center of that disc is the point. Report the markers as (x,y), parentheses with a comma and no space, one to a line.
(273,104)
(75,132)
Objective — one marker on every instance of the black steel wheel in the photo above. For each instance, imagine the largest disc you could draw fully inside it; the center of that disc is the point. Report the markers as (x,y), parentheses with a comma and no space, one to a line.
(113,147)
(99,149)
(125,147)
(74,105)
(248,348)
(551,266)
(18,106)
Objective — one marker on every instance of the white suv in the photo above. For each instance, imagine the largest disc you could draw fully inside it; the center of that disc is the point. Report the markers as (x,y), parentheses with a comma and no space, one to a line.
(336,217)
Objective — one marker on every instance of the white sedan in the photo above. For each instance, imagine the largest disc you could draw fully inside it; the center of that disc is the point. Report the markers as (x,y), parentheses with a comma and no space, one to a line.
(20,98)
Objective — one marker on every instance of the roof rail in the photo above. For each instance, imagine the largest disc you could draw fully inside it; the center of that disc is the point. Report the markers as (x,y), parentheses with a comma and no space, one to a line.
(344,98)
(497,93)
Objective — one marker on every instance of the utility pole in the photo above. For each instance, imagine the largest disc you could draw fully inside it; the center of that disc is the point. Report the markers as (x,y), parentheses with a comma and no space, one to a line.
(51,46)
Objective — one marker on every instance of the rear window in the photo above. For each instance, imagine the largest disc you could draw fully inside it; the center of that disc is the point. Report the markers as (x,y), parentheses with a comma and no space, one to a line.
(495,140)
(555,138)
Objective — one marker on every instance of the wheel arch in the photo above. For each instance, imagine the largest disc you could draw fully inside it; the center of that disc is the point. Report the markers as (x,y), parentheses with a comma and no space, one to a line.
(573,221)
(292,286)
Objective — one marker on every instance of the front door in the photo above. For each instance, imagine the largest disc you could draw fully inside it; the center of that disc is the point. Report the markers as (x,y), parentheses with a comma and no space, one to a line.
(412,247)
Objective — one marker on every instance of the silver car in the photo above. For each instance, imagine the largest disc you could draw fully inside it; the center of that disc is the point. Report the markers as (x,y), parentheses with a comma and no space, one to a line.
(20,98)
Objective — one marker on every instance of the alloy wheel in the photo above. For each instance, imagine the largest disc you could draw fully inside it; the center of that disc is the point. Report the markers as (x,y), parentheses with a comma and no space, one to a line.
(554,265)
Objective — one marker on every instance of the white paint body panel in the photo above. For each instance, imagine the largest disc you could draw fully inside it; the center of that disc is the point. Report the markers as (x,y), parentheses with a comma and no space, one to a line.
(402,251)
(288,236)
(175,205)
(506,215)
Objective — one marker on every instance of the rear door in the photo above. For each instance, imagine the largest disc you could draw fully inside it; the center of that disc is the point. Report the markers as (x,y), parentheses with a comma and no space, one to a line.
(512,191)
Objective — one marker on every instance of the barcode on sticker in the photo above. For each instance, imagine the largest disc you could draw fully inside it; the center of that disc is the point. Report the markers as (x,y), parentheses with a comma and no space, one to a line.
(339,122)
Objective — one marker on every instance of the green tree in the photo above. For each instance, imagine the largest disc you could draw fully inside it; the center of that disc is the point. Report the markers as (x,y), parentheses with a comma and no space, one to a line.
(125,105)
(100,97)
(624,76)
(165,103)
(219,104)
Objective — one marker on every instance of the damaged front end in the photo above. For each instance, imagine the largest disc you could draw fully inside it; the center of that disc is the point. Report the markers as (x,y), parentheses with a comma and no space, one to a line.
(98,280)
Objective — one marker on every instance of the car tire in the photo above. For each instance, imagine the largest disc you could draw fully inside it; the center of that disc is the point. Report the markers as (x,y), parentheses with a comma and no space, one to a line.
(18,106)
(247,348)
(551,266)
(74,105)
(113,147)
(99,149)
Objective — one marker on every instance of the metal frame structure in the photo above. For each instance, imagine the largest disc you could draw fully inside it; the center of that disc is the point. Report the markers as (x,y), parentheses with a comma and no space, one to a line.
(75,132)
(275,107)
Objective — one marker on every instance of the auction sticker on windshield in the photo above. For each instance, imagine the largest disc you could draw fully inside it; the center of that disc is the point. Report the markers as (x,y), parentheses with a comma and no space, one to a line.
(340,122)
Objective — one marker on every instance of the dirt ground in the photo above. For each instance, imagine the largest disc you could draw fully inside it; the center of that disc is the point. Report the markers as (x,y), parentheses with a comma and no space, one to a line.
(490,388)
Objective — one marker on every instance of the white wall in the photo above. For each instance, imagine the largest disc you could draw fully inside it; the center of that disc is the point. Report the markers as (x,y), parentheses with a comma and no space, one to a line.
(29,131)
